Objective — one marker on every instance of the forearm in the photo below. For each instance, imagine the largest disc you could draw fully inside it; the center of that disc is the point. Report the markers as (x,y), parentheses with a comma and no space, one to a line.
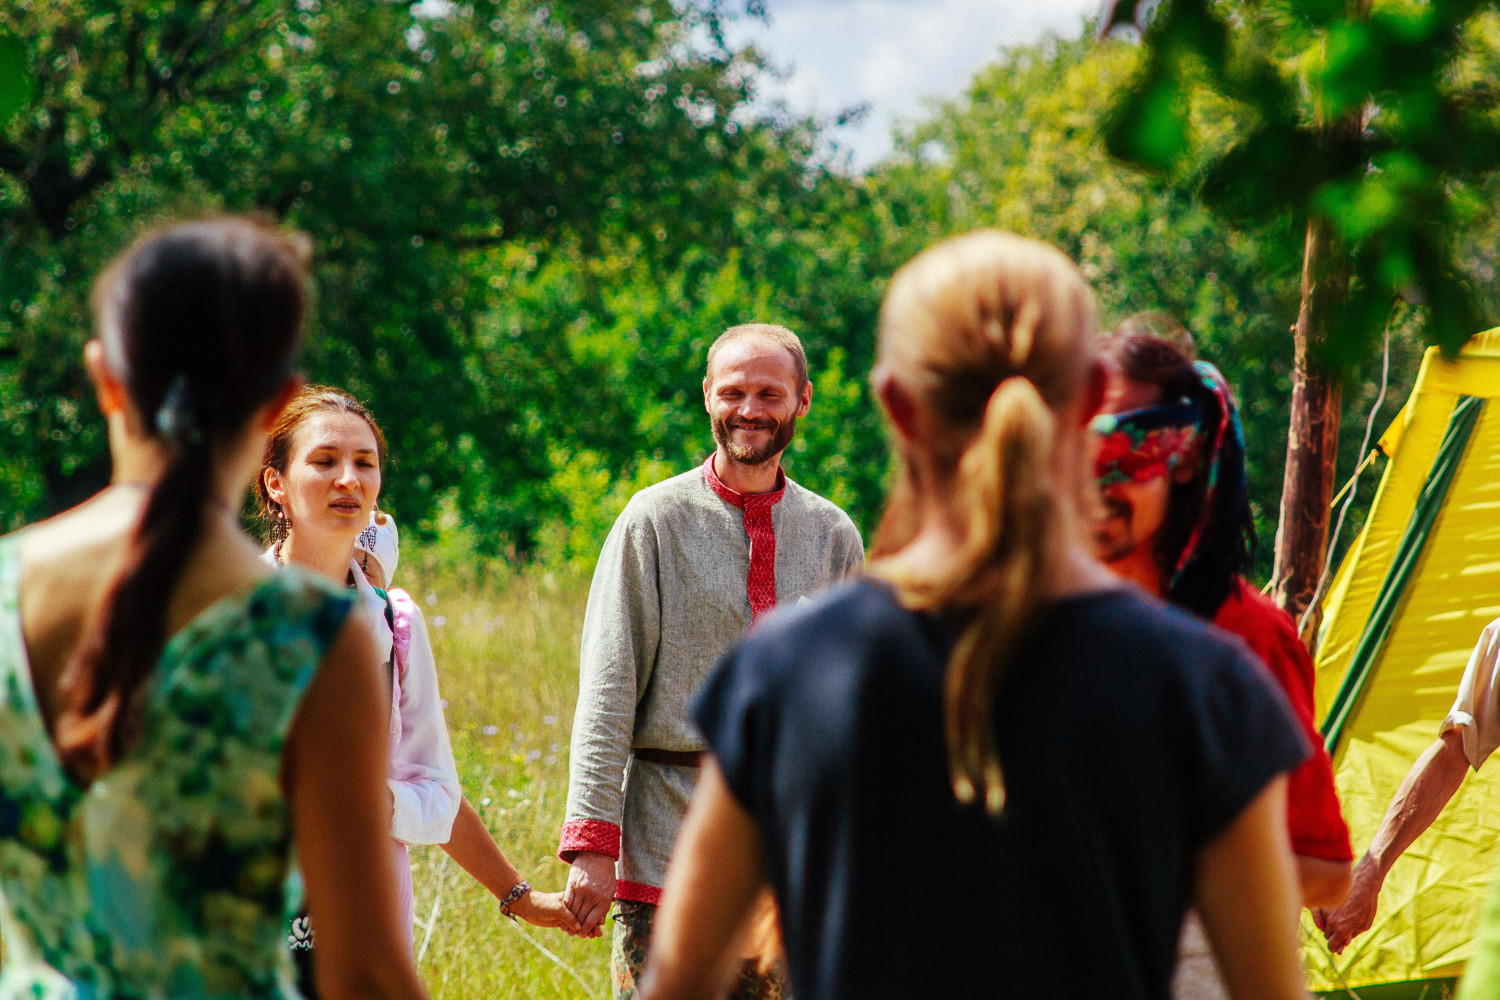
(1429,785)
(1323,882)
(596,768)
(477,853)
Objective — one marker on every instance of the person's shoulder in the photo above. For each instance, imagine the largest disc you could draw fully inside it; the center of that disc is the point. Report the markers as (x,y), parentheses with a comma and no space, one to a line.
(664,497)
(404,608)
(814,505)
(1247,610)
(1139,626)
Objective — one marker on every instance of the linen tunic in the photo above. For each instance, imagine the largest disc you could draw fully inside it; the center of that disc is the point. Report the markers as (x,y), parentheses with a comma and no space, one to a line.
(670,593)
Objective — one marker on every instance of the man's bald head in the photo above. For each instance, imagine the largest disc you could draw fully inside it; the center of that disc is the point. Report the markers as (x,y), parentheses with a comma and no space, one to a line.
(768,332)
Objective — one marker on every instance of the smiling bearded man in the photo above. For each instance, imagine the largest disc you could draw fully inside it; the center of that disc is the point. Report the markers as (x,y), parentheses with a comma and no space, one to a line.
(689,565)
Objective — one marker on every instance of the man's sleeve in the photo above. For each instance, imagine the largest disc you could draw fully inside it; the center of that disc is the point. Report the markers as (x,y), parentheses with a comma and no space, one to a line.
(621,629)
(854,548)
(423,778)
(1475,712)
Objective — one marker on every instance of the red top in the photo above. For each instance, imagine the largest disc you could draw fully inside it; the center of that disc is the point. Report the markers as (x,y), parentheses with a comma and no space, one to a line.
(761,585)
(1313,815)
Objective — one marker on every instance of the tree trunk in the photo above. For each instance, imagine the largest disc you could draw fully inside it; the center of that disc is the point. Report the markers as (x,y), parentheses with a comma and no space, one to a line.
(1312,443)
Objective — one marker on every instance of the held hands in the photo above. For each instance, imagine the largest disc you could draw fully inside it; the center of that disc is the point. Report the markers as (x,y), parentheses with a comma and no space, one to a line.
(546,909)
(590,891)
(1345,922)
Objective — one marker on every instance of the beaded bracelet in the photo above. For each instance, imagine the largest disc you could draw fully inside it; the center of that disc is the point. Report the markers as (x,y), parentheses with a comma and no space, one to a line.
(518,890)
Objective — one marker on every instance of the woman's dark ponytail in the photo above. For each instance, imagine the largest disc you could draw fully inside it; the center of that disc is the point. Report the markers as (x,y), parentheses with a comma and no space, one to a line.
(201,322)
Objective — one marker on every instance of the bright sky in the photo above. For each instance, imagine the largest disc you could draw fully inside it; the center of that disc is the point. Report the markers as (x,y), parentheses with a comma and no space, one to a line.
(894,53)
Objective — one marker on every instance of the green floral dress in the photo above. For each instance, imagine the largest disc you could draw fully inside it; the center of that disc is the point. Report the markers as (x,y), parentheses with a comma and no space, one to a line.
(170,875)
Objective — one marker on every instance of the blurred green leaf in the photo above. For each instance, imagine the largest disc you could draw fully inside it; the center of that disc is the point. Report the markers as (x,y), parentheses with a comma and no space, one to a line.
(15,76)
(1410,23)
(1350,69)
(1151,128)
(1261,174)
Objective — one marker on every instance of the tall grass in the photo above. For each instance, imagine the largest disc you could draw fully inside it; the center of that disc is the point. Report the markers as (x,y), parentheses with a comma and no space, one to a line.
(507,652)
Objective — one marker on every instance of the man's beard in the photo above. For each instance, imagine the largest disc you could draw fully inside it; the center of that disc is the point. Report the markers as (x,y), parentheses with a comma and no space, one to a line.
(1114,537)
(780,438)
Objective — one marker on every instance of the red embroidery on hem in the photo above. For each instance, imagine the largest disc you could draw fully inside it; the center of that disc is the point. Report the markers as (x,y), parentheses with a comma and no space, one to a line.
(637,892)
(761,586)
(588,835)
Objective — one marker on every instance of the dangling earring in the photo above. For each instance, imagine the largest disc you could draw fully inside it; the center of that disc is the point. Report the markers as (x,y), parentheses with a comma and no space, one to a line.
(281,527)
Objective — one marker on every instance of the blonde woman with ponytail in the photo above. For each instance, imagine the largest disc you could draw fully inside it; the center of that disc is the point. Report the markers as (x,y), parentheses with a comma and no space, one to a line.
(987,768)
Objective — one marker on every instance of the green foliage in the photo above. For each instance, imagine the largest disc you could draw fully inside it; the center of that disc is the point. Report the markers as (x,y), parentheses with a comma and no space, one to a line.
(528,224)
(1367,116)
(15,82)
(1023,149)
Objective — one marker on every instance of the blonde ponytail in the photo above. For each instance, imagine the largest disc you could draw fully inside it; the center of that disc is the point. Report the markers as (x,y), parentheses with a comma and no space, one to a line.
(992,331)
(1010,503)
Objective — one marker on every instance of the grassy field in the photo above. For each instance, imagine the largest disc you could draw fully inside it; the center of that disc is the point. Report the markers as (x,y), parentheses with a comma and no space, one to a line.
(507,655)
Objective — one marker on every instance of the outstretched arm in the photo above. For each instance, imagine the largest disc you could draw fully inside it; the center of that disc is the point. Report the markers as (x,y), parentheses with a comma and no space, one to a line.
(1426,790)
(716,874)
(1246,890)
(477,853)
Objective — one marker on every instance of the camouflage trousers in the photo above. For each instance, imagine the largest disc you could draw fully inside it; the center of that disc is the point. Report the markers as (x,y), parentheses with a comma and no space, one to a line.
(627,959)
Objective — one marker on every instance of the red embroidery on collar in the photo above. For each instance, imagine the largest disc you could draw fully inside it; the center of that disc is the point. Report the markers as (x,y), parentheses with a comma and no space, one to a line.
(757,507)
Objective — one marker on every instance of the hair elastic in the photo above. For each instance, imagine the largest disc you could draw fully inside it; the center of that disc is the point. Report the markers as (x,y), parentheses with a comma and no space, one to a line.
(175,418)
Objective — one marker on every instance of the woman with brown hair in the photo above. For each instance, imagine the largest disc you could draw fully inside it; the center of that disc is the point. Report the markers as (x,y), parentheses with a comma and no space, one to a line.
(174,717)
(987,769)
(320,479)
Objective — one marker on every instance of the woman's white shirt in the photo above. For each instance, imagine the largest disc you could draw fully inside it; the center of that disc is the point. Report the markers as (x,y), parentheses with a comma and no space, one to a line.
(422,775)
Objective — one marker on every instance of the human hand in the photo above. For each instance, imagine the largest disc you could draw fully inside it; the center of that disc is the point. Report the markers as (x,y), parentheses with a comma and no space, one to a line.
(546,909)
(1351,918)
(590,891)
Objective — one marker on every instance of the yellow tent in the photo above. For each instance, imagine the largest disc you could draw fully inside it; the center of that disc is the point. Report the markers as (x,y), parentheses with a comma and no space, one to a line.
(1404,612)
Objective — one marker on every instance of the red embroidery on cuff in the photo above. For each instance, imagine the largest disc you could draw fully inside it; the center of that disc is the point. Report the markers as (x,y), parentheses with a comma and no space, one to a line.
(761,585)
(588,835)
(637,892)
